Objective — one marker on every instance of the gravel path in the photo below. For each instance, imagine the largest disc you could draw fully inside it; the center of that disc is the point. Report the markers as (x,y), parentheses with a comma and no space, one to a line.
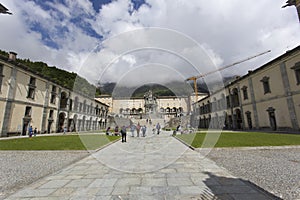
(275,170)
(20,168)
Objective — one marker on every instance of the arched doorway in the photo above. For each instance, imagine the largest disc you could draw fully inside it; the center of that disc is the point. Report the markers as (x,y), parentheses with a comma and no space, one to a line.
(272,118)
(61,121)
(238,119)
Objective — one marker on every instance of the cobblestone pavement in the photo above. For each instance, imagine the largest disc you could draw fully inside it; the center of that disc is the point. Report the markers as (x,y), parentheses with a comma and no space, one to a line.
(154,167)
(20,168)
(276,169)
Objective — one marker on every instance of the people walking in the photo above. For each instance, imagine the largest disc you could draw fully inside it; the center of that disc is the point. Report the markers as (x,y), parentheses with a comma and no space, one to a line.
(132,128)
(30,131)
(35,132)
(138,128)
(123,133)
(158,128)
(65,130)
(144,129)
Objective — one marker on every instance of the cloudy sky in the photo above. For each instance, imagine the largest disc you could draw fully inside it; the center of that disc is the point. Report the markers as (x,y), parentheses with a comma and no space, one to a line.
(141,41)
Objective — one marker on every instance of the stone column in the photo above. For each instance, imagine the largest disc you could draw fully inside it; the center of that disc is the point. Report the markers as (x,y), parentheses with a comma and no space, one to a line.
(253,102)
(289,97)
(45,109)
(9,102)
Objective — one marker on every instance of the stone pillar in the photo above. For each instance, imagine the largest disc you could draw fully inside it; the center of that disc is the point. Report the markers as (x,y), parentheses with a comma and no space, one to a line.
(45,109)
(9,102)
(253,102)
(289,97)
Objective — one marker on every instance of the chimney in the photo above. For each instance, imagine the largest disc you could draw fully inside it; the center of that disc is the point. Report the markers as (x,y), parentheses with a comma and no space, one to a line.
(12,56)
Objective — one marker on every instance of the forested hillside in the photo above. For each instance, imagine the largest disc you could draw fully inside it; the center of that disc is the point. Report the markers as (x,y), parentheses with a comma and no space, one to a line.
(61,77)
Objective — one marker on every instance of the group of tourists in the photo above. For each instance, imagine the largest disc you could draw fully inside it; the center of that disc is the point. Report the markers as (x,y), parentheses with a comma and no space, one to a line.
(139,129)
(32,131)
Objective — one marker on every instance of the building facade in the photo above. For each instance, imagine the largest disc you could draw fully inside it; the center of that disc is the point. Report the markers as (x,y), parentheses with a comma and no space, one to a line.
(166,107)
(30,99)
(267,98)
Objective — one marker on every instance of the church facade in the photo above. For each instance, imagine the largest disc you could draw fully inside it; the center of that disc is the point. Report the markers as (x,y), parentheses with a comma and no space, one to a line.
(165,107)
(267,98)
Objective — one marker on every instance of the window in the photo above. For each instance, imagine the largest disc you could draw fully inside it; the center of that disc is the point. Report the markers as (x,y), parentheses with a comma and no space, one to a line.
(235,98)
(51,114)
(228,101)
(31,88)
(1,75)
(245,92)
(80,107)
(70,104)
(53,94)
(296,68)
(28,111)
(266,84)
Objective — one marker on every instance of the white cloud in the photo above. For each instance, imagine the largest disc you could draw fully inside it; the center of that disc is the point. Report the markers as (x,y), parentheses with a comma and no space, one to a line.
(227,30)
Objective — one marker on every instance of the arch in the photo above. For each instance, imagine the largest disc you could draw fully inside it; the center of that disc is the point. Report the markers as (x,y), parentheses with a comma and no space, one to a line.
(168,110)
(133,111)
(174,109)
(238,119)
(61,121)
(140,110)
(162,110)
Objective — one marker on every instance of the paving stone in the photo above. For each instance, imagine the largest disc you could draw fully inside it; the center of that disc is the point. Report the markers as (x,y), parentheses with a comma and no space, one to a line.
(128,182)
(147,190)
(192,190)
(79,183)
(182,181)
(104,191)
(103,182)
(63,192)
(34,193)
(127,175)
(55,184)
(154,182)
(120,191)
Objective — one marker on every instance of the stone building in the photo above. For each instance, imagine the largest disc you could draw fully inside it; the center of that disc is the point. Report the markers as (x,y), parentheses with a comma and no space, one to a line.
(167,107)
(30,99)
(267,98)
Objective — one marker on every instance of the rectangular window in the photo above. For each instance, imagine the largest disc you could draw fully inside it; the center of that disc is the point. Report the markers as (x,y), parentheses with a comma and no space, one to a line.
(297,73)
(245,92)
(266,87)
(296,68)
(266,84)
(51,114)
(1,75)
(53,95)
(70,104)
(80,107)
(28,111)
(228,101)
(31,88)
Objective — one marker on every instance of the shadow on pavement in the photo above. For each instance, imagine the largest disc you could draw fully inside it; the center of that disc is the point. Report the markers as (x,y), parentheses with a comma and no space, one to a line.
(224,188)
